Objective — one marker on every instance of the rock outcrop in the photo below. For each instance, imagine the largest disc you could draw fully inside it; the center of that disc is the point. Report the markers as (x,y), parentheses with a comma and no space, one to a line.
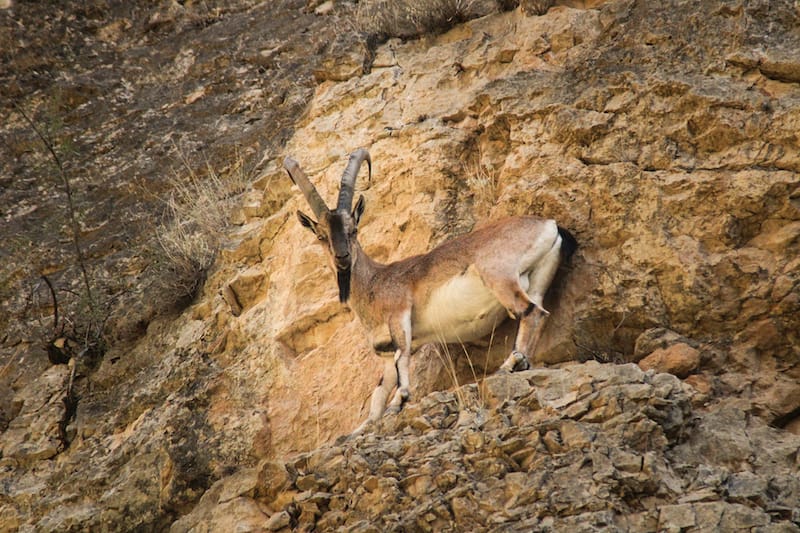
(587,447)
(663,136)
(620,123)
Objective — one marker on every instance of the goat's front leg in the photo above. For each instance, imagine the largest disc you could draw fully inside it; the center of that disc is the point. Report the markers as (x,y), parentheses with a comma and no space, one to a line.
(380,394)
(400,329)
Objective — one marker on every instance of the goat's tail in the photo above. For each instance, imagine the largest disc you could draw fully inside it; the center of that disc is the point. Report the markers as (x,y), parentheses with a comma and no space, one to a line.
(568,244)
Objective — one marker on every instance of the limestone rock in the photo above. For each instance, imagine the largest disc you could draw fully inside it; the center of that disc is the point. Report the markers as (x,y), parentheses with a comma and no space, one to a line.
(522,465)
(679,359)
(347,57)
(656,338)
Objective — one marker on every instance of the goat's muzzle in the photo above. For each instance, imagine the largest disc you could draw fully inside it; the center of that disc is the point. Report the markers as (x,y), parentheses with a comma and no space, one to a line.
(342,262)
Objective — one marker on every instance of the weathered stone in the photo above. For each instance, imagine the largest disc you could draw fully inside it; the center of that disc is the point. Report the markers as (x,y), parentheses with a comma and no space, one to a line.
(278,521)
(654,339)
(272,478)
(676,517)
(346,58)
(746,485)
(740,516)
(502,388)
(472,441)
(679,359)
(574,435)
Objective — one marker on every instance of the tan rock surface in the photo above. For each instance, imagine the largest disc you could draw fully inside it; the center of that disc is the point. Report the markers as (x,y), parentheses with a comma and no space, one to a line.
(679,359)
(543,449)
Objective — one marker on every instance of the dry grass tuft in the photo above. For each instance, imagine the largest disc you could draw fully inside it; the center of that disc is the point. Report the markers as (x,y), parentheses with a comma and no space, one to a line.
(453,369)
(484,183)
(411,18)
(198,216)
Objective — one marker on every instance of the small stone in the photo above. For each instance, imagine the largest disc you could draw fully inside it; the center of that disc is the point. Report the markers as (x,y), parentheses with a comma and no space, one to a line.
(654,339)
(446,480)
(746,485)
(242,483)
(679,359)
(700,383)
(316,482)
(473,441)
(420,423)
(676,517)
(278,521)
(574,435)
(501,388)
(626,461)
(272,478)
(552,440)
(325,8)
(417,486)
(331,520)
(738,516)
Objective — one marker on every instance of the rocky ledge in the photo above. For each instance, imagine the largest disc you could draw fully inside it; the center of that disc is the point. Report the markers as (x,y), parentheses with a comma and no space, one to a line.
(586,447)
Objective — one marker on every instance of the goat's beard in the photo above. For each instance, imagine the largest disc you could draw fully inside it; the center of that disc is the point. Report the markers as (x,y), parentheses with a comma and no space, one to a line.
(343,280)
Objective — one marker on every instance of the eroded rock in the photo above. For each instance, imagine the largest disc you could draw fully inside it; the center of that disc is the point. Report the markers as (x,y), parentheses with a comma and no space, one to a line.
(626,461)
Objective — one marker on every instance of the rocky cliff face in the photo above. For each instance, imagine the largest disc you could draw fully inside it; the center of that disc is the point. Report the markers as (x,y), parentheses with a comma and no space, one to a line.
(664,137)
(587,447)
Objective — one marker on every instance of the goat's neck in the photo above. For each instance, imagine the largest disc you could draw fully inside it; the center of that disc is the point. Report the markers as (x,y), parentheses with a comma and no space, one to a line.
(364,269)
(362,282)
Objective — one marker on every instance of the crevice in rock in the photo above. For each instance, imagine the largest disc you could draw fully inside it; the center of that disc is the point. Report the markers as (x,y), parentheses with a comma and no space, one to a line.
(785,419)
(70,401)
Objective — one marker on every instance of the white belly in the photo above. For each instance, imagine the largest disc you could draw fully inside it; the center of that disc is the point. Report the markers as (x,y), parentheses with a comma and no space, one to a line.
(463,309)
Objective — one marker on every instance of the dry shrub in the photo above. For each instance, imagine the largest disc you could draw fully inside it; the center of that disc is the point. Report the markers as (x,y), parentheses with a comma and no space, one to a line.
(198,216)
(484,183)
(411,18)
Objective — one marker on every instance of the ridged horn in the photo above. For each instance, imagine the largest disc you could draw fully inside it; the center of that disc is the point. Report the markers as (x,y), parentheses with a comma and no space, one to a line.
(347,189)
(309,191)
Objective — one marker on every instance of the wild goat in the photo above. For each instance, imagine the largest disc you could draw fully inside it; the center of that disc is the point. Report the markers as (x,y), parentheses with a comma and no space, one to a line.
(457,292)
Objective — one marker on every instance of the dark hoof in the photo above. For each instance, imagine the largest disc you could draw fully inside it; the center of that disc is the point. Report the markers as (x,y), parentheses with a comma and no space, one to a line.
(522,365)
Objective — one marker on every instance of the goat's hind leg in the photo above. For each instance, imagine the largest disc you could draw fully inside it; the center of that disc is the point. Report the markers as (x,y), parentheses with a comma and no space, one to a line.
(510,293)
(531,324)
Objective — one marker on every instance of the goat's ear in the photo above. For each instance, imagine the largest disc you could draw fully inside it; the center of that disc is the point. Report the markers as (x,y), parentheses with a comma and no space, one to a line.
(358,210)
(307,221)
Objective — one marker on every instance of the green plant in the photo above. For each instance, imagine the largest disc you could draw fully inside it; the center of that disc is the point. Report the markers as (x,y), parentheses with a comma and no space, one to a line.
(71,210)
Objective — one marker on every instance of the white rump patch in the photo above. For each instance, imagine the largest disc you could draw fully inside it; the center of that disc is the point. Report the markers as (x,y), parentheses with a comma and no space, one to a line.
(462,309)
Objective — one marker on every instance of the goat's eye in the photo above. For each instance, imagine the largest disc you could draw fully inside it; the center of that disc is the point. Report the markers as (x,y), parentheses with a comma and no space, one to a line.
(321,238)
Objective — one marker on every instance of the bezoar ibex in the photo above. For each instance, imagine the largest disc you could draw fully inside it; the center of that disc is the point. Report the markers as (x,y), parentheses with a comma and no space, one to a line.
(458,292)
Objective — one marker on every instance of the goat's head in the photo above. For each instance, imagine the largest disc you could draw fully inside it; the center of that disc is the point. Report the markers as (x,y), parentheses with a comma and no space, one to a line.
(335,229)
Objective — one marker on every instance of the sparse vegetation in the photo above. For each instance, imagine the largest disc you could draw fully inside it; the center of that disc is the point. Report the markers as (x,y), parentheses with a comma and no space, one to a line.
(448,360)
(198,213)
(407,19)
(78,333)
(76,337)
(484,184)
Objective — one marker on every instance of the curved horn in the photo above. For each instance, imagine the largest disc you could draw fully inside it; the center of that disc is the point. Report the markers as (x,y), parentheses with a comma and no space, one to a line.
(348,186)
(309,191)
